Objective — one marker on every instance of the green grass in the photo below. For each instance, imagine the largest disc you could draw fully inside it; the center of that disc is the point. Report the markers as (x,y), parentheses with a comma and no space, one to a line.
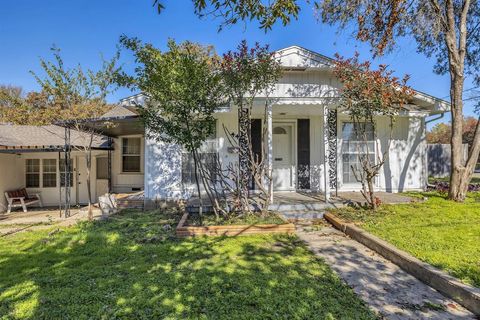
(131,267)
(441,232)
(432,180)
(248,219)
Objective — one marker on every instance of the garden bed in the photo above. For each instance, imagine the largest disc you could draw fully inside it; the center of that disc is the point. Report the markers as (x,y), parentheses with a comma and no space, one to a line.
(191,225)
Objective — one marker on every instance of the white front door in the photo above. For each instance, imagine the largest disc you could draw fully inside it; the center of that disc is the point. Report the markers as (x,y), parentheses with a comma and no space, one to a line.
(82,190)
(283,156)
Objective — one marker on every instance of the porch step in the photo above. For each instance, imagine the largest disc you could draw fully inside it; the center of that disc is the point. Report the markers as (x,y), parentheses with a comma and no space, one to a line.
(302,214)
(309,206)
(130,204)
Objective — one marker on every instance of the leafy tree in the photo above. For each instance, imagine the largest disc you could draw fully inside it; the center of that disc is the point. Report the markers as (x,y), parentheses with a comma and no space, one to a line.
(184,90)
(366,95)
(442,132)
(10,95)
(68,97)
(446,29)
(246,73)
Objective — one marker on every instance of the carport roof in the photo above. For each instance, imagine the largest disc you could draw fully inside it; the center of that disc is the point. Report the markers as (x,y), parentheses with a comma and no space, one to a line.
(15,138)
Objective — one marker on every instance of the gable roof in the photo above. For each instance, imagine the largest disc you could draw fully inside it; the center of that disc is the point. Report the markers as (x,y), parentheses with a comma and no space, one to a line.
(21,137)
(296,58)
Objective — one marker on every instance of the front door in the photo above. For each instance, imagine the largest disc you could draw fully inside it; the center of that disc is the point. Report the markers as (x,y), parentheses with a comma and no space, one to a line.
(82,190)
(283,157)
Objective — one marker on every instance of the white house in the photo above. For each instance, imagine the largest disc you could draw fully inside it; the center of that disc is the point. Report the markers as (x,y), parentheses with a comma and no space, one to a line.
(311,146)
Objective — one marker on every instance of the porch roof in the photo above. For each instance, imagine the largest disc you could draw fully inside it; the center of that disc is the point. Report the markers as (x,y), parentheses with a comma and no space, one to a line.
(22,138)
(121,120)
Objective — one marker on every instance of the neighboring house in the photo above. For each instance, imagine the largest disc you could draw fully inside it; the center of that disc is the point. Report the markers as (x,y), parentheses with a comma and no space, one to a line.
(32,157)
(312,146)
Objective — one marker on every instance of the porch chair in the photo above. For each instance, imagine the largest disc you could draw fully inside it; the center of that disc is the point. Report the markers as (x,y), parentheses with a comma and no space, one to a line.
(20,198)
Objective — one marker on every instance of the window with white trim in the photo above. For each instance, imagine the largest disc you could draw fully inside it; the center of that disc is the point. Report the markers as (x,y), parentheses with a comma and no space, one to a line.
(131,157)
(209,161)
(49,173)
(356,141)
(32,173)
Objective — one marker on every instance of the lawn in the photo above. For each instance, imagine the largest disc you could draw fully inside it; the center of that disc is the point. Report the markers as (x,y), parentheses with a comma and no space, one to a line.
(441,232)
(132,267)
(475,179)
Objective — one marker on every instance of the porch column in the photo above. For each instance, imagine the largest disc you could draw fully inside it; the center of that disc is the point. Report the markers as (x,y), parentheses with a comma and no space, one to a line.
(109,164)
(326,166)
(270,149)
(67,169)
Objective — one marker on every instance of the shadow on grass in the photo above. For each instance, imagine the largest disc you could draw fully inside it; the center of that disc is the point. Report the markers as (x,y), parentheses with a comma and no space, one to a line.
(131,266)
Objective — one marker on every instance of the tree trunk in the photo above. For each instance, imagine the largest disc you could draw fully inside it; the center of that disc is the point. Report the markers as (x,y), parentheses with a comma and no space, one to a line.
(459,176)
(197,182)
(89,187)
(371,194)
(456,44)
(461,170)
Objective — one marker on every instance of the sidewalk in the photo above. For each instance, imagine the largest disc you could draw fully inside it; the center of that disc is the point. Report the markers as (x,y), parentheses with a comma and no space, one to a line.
(385,287)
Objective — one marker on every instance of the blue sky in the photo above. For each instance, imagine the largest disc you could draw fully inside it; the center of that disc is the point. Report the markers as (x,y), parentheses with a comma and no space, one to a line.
(84,29)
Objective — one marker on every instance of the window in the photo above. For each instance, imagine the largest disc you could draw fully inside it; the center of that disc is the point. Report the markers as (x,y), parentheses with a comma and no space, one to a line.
(279,130)
(209,161)
(102,168)
(131,154)
(62,172)
(32,173)
(49,173)
(354,145)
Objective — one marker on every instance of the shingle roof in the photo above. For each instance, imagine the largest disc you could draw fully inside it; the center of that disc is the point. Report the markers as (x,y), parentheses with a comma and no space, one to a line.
(44,137)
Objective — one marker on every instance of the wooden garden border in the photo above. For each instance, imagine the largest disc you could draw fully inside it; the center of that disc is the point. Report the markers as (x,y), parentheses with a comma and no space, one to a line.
(183,231)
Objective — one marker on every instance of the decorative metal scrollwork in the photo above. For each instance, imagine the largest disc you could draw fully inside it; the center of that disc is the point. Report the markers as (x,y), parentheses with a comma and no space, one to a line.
(244,146)
(332,147)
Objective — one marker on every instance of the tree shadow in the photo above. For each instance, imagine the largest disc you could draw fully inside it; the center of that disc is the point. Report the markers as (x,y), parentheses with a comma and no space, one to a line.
(131,266)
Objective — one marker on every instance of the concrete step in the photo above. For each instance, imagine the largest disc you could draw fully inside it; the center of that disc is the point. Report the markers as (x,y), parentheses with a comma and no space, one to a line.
(302,214)
(130,204)
(309,206)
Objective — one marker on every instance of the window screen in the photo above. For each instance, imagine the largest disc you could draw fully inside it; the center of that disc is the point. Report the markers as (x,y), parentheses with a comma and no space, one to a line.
(131,148)
(49,173)
(32,173)
(356,140)
(209,160)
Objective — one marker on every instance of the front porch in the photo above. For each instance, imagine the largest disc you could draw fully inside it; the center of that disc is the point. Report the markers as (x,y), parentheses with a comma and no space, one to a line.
(311,205)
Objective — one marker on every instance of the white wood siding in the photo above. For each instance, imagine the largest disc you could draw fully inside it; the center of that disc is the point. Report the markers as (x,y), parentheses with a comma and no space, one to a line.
(125,182)
(11,178)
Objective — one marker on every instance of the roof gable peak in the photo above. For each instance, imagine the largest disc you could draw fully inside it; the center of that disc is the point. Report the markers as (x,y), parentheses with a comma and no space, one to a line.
(299,57)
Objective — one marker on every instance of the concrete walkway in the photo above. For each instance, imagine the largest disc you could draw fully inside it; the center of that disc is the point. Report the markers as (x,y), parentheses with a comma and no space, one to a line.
(388,290)
(42,218)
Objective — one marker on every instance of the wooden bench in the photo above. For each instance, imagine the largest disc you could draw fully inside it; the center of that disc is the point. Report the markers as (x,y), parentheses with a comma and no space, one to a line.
(20,198)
